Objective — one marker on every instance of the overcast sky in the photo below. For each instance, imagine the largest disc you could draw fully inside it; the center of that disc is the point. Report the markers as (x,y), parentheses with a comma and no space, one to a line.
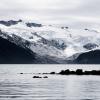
(52,11)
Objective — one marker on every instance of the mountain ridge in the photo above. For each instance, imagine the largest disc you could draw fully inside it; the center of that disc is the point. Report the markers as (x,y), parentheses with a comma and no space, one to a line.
(57,44)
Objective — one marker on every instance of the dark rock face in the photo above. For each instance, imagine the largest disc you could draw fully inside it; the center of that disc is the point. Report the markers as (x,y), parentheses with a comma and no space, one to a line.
(10,22)
(54,43)
(92,57)
(90,46)
(10,53)
(58,45)
(33,25)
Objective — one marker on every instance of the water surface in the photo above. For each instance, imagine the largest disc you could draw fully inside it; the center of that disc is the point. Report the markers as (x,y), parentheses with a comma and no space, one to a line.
(15,86)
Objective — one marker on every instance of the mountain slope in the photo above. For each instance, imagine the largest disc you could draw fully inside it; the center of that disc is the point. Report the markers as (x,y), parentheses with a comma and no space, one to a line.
(11,53)
(92,57)
(49,44)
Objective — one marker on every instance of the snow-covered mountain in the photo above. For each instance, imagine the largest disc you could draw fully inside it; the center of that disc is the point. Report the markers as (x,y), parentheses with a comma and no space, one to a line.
(49,40)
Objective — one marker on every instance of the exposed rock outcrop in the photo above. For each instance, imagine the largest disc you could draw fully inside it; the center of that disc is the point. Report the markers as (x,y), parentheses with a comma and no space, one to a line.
(10,22)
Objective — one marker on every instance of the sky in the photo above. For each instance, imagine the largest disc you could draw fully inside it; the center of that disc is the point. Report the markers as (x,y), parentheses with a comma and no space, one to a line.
(72,12)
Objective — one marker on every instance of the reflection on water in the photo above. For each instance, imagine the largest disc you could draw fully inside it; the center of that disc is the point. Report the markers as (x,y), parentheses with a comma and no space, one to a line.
(14,86)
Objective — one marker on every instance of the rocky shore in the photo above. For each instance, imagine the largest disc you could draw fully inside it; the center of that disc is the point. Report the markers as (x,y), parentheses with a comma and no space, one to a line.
(66,72)
(77,72)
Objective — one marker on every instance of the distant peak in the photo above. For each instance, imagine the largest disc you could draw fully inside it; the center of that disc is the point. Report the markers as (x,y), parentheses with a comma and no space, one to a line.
(29,24)
(10,22)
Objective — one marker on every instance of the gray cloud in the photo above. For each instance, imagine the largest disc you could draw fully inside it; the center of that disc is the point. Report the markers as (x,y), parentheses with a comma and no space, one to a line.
(52,11)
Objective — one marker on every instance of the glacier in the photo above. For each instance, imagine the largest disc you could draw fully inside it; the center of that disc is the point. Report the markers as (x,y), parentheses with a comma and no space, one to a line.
(59,43)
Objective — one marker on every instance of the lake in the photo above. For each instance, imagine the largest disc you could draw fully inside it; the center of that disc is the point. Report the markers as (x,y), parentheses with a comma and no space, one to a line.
(16,86)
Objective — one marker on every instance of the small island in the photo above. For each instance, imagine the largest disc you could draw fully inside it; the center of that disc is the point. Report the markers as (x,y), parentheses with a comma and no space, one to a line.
(67,72)
(78,72)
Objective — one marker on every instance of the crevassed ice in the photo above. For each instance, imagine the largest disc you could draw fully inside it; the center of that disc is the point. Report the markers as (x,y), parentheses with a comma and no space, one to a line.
(75,39)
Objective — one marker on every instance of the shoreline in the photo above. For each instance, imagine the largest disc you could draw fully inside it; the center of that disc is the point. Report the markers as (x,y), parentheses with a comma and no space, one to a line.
(68,72)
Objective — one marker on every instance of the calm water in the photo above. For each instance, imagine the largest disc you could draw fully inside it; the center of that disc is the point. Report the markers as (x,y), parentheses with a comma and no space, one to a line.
(14,86)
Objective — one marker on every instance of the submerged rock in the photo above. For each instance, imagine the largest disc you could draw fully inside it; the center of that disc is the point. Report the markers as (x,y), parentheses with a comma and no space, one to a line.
(21,73)
(40,77)
(52,73)
(45,77)
(37,77)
